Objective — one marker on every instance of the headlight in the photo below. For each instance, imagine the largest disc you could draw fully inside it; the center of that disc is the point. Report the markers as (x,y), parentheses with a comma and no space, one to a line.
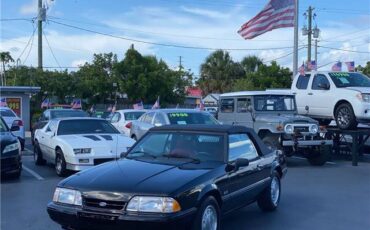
(153,204)
(11,147)
(364,97)
(67,196)
(314,128)
(289,129)
(82,151)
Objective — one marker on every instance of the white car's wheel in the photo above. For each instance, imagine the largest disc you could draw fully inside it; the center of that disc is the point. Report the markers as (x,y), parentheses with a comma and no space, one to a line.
(60,163)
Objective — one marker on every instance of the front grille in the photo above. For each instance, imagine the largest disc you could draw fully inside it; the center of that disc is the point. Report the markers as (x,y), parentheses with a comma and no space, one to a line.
(102,160)
(301,129)
(103,204)
(10,162)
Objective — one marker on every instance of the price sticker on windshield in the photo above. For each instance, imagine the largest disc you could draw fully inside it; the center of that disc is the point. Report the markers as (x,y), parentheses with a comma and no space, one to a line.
(178,115)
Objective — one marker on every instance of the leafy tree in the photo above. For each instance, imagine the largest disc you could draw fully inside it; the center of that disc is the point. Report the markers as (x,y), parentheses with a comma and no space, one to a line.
(251,63)
(365,70)
(219,72)
(5,58)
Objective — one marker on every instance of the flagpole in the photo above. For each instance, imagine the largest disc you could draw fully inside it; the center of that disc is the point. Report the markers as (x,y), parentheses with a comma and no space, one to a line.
(295,51)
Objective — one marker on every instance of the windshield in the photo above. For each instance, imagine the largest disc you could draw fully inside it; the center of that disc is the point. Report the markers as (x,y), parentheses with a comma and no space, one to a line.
(6,113)
(274,103)
(345,79)
(68,113)
(129,116)
(179,146)
(68,127)
(3,126)
(183,118)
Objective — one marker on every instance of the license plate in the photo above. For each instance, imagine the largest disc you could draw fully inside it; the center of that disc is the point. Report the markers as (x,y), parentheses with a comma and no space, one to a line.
(97,216)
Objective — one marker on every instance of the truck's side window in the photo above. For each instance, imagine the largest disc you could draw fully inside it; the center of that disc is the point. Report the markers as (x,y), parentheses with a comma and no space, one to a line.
(227,105)
(319,79)
(302,81)
(242,105)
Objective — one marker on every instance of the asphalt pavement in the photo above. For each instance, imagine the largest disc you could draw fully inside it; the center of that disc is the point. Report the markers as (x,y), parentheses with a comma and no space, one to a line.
(334,196)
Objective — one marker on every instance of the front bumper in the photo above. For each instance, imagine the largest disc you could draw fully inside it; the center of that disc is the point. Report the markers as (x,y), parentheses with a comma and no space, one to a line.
(11,164)
(92,161)
(75,217)
(306,143)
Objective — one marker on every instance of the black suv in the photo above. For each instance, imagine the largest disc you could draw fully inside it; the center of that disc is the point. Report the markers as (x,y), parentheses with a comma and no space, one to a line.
(173,177)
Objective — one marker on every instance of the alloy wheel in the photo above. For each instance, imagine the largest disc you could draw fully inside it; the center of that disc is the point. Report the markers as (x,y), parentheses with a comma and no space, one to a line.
(275,190)
(209,218)
(344,116)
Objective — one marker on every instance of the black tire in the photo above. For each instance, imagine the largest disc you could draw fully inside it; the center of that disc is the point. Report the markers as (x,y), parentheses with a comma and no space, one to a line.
(37,154)
(210,204)
(272,142)
(345,117)
(324,122)
(268,201)
(60,164)
(320,156)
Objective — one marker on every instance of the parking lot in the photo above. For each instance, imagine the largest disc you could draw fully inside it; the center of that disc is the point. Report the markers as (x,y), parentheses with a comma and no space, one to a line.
(335,196)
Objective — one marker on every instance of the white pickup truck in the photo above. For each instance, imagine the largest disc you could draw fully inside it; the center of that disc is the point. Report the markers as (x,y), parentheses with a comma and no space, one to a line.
(342,96)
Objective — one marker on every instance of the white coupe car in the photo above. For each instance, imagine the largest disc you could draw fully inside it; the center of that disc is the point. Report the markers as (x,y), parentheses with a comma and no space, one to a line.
(78,143)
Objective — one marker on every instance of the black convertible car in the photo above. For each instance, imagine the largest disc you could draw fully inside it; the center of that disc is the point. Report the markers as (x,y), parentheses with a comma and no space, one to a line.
(174,177)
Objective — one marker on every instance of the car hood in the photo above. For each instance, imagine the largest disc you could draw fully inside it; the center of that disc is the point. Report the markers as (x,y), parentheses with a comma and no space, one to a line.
(9,120)
(360,89)
(284,118)
(127,176)
(6,138)
(96,140)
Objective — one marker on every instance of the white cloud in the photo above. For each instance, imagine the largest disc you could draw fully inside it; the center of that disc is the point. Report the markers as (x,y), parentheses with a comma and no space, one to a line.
(205,12)
(31,8)
(78,63)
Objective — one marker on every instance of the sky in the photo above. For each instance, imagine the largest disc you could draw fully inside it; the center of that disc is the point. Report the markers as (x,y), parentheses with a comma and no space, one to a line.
(205,24)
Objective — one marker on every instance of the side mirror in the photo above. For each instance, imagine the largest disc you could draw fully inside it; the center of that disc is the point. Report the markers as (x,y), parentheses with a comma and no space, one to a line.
(157,124)
(324,86)
(15,128)
(240,162)
(249,108)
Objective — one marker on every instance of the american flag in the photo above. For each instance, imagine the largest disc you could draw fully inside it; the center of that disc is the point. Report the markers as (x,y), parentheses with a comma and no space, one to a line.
(45,103)
(109,109)
(3,102)
(276,14)
(138,105)
(350,66)
(76,104)
(301,70)
(156,104)
(337,66)
(92,109)
(114,108)
(201,105)
(312,65)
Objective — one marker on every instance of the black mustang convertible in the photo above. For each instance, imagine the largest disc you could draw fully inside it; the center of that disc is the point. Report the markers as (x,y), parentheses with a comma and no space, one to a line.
(174,177)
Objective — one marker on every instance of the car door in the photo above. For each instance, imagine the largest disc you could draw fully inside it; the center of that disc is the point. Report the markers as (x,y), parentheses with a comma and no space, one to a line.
(244,112)
(301,91)
(146,124)
(243,182)
(115,121)
(49,140)
(320,97)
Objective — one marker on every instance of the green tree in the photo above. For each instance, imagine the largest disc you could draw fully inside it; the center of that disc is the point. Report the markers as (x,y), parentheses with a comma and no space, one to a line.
(219,72)
(365,70)
(251,63)
(5,58)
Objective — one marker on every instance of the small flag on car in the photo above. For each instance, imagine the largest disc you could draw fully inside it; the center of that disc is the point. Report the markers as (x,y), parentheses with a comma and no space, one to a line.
(45,103)
(77,104)
(301,70)
(350,66)
(138,105)
(312,65)
(337,66)
(156,104)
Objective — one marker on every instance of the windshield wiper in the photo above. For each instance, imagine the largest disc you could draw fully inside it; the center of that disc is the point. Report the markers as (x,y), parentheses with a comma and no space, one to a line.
(193,160)
(144,154)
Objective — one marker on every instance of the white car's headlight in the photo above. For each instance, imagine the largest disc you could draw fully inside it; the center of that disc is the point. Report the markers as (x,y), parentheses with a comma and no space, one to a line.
(314,128)
(289,129)
(11,147)
(153,204)
(363,97)
(82,151)
(67,196)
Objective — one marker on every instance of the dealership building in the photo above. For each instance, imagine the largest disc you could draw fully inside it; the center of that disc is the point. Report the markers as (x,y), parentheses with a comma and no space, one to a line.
(18,99)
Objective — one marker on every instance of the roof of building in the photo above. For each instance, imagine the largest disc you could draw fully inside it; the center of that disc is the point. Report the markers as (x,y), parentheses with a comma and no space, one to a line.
(256,93)
(20,89)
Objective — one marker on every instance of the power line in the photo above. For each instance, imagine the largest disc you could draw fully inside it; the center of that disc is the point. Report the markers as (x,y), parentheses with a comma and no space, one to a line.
(353,51)
(16,19)
(285,55)
(51,50)
(163,44)
(28,42)
(29,51)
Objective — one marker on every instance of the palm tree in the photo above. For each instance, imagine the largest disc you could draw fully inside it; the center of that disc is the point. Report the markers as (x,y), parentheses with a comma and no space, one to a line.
(218,72)
(251,63)
(5,58)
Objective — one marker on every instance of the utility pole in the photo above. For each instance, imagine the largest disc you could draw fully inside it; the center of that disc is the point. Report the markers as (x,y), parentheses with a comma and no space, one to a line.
(309,35)
(316,53)
(180,63)
(40,18)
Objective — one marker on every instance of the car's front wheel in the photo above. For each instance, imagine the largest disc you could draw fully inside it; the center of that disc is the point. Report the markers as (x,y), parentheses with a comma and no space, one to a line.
(208,216)
(269,199)
(37,154)
(345,117)
(60,164)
